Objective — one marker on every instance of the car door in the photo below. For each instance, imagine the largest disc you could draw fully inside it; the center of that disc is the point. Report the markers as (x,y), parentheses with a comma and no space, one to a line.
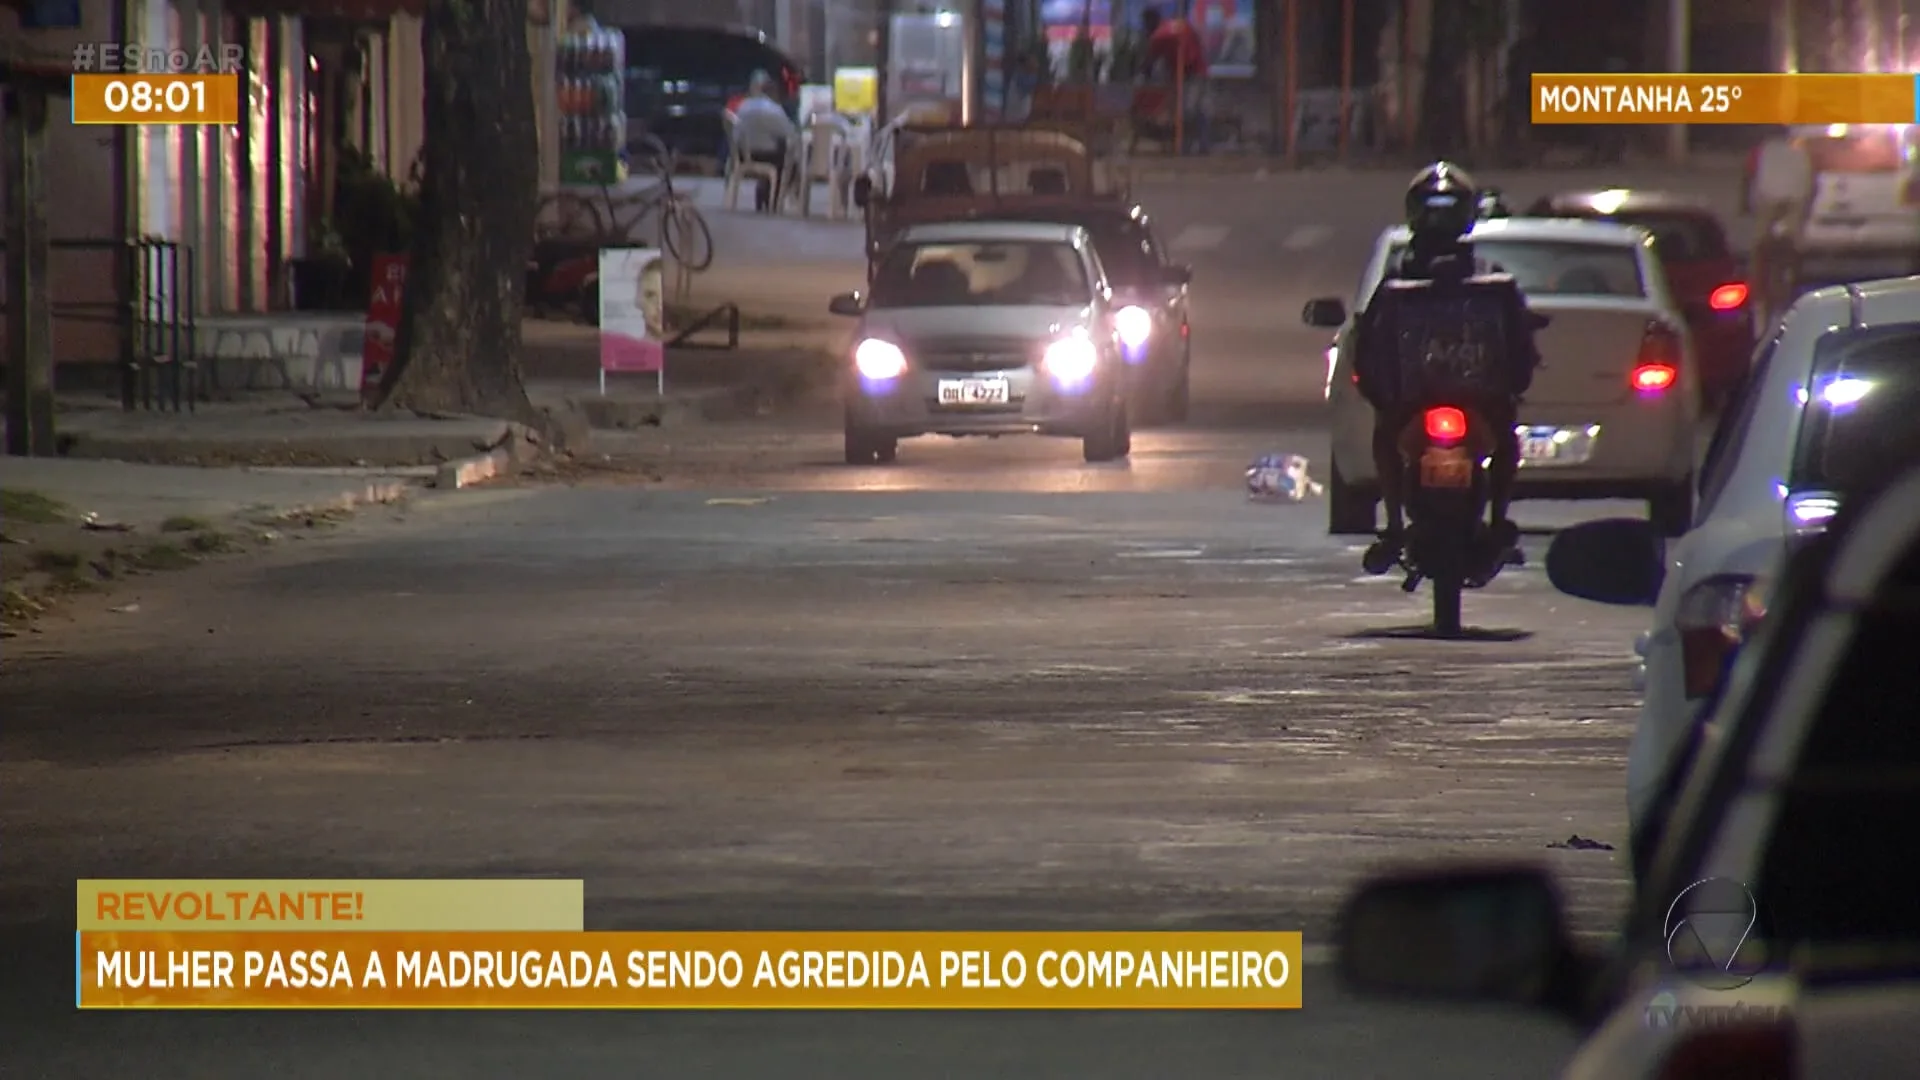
(1178,315)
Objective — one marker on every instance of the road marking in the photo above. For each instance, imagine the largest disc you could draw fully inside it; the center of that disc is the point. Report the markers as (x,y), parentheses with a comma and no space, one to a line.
(739,502)
(1307,236)
(1199,238)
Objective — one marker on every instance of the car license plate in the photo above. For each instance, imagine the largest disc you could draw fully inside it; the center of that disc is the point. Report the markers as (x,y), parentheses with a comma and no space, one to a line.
(1446,469)
(975,391)
(1538,447)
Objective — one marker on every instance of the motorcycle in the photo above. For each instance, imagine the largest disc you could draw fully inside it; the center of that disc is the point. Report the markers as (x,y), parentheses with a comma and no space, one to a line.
(1448,540)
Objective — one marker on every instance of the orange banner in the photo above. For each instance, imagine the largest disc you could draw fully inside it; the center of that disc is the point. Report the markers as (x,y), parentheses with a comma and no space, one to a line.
(156,99)
(1794,100)
(537,970)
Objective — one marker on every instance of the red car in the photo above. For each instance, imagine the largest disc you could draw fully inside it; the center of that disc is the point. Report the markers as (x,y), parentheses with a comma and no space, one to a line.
(1706,277)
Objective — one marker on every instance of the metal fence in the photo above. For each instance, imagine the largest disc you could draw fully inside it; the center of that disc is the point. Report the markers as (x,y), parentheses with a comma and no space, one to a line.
(140,314)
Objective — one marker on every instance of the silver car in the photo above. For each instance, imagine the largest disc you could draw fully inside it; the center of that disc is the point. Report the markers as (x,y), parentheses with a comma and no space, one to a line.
(986,328)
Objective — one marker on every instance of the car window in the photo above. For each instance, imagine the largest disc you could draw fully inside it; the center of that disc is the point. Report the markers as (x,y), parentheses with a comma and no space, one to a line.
(981,274)
(1723,450)
(1867,151)
(1680,237)
(1840,864)
(1860,422)
(1563,268)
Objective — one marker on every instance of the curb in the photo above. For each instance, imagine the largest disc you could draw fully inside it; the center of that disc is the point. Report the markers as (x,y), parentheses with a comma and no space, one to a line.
(375,493)
(480,468)
(516,447)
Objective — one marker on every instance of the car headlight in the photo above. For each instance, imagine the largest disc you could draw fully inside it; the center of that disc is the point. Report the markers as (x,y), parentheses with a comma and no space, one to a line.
(878,359)
(1134,325)
(1071,360)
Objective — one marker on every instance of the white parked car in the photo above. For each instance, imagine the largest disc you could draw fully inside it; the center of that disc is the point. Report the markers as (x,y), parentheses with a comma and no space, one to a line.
(987,328)
(1615,404)
(1832,399)
(1864,220)
(1776,934)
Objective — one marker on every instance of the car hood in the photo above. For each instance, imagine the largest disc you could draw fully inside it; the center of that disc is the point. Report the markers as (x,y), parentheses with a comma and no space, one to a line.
(916,325)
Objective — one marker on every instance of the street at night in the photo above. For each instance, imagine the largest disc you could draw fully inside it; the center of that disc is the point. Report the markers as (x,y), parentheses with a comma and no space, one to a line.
(733,683)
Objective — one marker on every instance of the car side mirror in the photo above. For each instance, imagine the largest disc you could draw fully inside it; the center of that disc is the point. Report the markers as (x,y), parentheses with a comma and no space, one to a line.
(851,304)
(1327,313)
(862,191)
(1487,935)
(1613,561)
(1177,275)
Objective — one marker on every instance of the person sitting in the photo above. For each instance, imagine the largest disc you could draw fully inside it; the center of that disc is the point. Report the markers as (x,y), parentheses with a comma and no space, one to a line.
(765,132)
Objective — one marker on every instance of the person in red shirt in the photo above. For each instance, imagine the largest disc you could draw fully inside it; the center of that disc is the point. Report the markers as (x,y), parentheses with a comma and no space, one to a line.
(1173,45)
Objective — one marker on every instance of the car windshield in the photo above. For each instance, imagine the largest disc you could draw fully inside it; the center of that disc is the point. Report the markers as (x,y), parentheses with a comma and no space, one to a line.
(1859,426)
(1563,268)
(1680,237)
(982,274)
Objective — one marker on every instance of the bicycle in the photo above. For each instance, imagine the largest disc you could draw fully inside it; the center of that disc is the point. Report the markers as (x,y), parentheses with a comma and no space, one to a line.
(683,231)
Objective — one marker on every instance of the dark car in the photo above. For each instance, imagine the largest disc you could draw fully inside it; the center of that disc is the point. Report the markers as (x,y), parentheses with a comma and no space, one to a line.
(681,79)
(1706,277)
(1160,350)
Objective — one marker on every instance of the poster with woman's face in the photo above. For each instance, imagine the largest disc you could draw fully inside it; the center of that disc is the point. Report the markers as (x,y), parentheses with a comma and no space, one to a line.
(632,310)
(652,300)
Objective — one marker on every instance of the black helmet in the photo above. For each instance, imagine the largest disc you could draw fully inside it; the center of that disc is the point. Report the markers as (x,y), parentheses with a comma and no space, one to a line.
(1442,202)
(1493,205)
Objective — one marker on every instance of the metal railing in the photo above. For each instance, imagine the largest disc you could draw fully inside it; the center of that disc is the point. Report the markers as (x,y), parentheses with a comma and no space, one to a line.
(150,309)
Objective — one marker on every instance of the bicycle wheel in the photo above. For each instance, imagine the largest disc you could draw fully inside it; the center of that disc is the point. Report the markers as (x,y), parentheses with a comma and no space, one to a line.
(568,215)
(684,233)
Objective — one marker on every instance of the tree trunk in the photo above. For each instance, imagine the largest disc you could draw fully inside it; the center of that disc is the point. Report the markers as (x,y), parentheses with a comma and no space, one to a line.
(458,347)
(1443,100)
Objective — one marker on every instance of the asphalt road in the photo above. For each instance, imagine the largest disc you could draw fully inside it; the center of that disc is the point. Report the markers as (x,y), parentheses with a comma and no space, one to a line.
(733,684)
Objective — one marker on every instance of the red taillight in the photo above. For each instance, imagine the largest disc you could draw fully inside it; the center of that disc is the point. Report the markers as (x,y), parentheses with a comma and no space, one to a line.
(1715,617)
(1728,297)
(1751,1052)
(1446,424)
(1653,378)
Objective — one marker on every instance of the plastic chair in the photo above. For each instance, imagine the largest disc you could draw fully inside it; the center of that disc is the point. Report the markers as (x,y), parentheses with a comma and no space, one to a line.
(741,168)
(824,159)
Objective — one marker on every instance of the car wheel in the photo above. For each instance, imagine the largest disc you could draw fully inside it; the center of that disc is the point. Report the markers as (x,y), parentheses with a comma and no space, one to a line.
(1351,511)
(1113,440)
(1670,508)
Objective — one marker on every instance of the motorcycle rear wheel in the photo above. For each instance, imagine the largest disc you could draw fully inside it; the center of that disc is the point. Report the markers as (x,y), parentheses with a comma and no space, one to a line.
(1446,605)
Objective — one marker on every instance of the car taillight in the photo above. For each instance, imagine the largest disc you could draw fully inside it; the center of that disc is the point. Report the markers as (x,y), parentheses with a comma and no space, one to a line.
(1653,378)
(1751,1052)
(1728,297)
(1657,367)
(1446,424)
(1715,617)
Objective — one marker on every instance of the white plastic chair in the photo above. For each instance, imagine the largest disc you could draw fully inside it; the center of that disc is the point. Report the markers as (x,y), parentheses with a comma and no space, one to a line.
(826,154)
(741,168)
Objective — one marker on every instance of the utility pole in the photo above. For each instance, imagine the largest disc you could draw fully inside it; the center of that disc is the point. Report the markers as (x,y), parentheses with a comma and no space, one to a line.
(1786,36)
(1679,59)
(29,305)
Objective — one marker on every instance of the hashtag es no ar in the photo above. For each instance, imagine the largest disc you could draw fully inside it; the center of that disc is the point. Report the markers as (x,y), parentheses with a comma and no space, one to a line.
(114,57)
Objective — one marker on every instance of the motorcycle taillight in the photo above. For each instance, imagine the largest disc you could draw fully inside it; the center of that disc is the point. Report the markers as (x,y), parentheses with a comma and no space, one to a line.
(1446,424)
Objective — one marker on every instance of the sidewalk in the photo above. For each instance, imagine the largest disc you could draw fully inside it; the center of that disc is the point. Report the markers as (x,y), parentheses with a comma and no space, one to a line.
(70,528)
